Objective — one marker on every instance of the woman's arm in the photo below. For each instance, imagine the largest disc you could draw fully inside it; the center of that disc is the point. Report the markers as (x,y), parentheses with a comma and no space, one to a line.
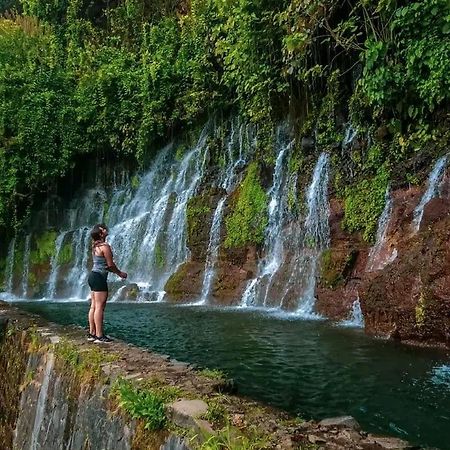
(107,253)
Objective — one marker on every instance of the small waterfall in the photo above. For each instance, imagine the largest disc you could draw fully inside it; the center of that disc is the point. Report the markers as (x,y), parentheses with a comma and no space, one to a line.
(54,264)
(76,278)
(432,190)
(379,256)
(257,289)
(227,181)
(9,271)
(356,319)
(26,265)
(213,251)
(308,242)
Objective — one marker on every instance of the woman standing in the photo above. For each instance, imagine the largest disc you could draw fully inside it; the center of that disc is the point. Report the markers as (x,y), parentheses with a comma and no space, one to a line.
(103,263)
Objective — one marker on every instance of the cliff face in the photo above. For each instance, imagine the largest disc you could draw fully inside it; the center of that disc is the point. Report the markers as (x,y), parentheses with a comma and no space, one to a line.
(400,280)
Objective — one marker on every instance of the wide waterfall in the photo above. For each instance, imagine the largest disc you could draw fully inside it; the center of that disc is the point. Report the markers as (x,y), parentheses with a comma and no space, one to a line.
(146,215)
(432,190)
(147,218)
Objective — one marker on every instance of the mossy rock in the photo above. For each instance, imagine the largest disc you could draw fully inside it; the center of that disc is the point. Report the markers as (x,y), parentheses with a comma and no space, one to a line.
(336,266)
(44,248)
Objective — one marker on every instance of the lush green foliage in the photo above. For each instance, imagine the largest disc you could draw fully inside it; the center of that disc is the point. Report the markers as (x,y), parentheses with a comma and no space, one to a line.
(248,220)
(115,79)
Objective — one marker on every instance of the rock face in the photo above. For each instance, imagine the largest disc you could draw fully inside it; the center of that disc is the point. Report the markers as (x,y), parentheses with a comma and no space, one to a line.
(401,285)
(234,267)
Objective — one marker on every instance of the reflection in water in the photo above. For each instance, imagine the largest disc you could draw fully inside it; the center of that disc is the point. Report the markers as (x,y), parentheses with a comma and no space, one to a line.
(306,367)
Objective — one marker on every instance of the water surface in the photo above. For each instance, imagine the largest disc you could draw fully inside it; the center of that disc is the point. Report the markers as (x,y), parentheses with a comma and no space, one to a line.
(308,368)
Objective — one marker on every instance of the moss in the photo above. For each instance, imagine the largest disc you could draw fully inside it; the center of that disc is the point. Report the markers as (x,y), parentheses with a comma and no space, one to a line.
(13,365)
(336,267)
(213,374)
(197,212)
(105,217)
(65,254)
(45,248)
(160,259)
(248,220)
(173,285)
(364,203)
(135,182)
(420,310)
(86,364)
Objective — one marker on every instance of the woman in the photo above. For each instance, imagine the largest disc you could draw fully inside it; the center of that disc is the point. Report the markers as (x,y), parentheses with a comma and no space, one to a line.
(102,264)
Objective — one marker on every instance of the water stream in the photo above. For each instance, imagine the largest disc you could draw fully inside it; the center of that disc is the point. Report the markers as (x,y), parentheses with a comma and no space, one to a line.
(432,190)
(380,255)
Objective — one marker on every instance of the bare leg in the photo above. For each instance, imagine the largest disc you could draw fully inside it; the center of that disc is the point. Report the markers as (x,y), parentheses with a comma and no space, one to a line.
(91,315)
(100,303)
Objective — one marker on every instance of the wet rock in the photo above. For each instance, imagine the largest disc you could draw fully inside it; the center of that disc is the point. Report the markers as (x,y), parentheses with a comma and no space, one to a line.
(185,412)
(436,209)
(342,421)
(308,143)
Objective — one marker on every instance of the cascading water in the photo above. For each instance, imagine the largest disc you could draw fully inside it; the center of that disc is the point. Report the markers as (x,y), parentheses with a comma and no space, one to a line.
(379,255)
(308,241)
(147,221)
(26,265)
(257,289)
(213,251)
(356,319)
(227,181)
(54,264)
(9,272)
(432,190)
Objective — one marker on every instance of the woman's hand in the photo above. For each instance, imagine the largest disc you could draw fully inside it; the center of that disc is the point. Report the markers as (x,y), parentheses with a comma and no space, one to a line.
(123,275)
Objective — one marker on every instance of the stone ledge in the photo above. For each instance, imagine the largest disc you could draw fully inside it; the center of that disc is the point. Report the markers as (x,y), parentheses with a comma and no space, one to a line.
(281,431)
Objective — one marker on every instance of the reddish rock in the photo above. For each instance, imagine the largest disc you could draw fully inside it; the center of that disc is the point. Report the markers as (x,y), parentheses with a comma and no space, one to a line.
(410,299)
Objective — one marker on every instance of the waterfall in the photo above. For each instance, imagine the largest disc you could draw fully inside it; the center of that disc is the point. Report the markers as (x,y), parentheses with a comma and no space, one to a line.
(77,277)
(257,289)
(227,181)
(379,256)
(213,251)
(54,264)
(432,190)
(356,319)
(26,265)
(9,270)
(308,241)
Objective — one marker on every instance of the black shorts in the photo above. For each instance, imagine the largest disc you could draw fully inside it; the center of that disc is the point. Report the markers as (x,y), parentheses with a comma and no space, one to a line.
(97,282)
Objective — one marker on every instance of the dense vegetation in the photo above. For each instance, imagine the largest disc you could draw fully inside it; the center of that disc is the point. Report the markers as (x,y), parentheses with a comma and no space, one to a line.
(82,77)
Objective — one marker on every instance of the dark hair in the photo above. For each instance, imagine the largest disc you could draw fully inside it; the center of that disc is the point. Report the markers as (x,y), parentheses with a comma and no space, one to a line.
(96,232)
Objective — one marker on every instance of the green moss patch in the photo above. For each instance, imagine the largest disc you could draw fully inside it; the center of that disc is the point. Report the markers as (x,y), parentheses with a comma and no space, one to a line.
(248,220)
(45,248)
(364,203)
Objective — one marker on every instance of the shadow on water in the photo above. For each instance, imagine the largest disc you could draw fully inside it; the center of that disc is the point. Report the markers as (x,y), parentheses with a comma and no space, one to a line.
(305,367)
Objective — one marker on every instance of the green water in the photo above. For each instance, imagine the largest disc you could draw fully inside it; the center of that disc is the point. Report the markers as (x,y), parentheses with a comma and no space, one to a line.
(308,368)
